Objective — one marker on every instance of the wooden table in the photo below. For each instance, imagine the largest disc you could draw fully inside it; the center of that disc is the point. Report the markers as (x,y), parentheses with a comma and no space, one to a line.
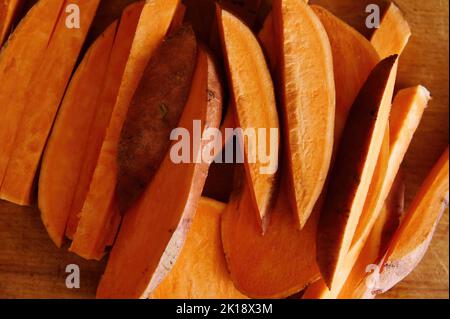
(32,267)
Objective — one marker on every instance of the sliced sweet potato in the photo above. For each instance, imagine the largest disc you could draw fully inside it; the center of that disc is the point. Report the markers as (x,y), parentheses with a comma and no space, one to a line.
(357,284)
(178,17)
(99,208)
(354,168)
(252,89)
(140,259)
(63,157)
(42,99)
(266,37)
(274,265)
(407,110)
(154,112)
(208,276)
(353,58)
(393,34)
(414,235)
(97,131)
(308,100)
(27,44)
(9,10)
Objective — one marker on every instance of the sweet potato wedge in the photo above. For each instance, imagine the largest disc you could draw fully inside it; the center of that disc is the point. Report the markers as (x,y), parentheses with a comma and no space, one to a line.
(393,34)
(140,259)
(276,264)
(407,110)
(42,99)
(414,235)
(354,168)
(358,282)
(27,44)
(100,207)
(353,59)
(154,112)
(208,276)
(252,89)
(9,10)
(110,90)
(308,103)
(63,156)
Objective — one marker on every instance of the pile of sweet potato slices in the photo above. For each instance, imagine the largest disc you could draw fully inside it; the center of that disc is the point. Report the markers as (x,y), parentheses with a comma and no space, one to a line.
(99,136)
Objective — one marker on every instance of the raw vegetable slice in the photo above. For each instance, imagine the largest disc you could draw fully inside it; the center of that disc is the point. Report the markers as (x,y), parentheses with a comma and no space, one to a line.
(99,208)
(97,131)
(42,99)
(354,168)
(154,112)
(208,276)
(308,96)
(254,108)
(63,157)
(140,259)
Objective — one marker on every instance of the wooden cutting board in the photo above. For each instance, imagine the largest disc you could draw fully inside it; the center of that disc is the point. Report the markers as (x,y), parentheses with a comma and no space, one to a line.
(32,267)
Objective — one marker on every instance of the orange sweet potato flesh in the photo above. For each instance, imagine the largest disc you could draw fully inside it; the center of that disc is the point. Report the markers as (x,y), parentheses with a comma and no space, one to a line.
(276,264)
(27,44)
(8,13)
(154,112)
(308,103)
(353,58)
(354,168)
(140,259)
(100,207)
(206,277)
(356,285)
(110,89)
(414,235)
(252,89)
(63,157)
(393,34)
(407,110)
(42,99)
(406,113)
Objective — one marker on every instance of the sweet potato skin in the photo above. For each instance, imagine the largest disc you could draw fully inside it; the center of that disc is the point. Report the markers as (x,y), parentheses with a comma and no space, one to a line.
(154,112)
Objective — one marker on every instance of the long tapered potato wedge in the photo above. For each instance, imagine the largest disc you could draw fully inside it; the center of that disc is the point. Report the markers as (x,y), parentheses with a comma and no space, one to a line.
(97,130)
(28,45)
(100,207)
(154,112)
(8,13)
(252,89)
(407,110)
(393,34)
(63,157)
(276,264)
(208,276)
(414,235)
(354,168)
(140,259)
(308,103)
(42,99)
(353,58)
(358,282)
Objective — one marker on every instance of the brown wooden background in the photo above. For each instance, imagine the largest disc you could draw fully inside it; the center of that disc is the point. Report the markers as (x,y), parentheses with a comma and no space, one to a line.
(31,267)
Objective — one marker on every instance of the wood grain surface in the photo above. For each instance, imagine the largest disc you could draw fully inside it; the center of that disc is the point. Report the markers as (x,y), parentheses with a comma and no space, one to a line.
(32,267)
